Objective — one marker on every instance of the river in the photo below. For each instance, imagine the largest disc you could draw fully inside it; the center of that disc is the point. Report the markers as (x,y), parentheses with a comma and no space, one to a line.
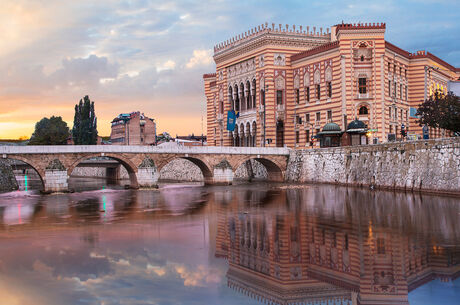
(255,243)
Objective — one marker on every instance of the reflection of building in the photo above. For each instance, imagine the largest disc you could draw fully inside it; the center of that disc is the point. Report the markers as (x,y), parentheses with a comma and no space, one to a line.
(133,129)
(302,255)
(287,83)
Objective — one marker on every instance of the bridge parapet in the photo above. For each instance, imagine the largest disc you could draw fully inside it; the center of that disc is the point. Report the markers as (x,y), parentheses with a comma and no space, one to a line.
(137,149)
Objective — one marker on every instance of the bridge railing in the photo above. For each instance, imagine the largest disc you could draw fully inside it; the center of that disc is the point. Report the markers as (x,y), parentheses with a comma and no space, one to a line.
(66,149)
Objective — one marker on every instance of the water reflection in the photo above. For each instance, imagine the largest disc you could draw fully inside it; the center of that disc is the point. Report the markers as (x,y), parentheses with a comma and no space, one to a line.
(246,244)
(330,245)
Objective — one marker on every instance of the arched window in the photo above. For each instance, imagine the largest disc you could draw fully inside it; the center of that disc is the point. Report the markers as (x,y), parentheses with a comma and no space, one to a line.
(236,98)
(248,95)
(363,110)
(242,98)
(253,88)
(254,134)
(230,98)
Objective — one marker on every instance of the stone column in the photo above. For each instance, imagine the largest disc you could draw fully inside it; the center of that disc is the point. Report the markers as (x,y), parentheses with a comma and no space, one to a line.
(56,180)
(222,174)
(147,174)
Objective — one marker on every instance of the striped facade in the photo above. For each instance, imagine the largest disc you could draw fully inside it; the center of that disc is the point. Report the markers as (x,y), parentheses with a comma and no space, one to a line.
(287,83)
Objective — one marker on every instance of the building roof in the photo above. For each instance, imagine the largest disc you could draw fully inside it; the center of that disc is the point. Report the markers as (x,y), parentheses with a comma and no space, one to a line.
(359,26)
(128,116)
(317,50)
(330,129)
(357,126)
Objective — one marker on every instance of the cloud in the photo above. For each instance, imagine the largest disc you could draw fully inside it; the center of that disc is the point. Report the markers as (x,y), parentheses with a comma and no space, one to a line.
(84,71)
(200,57)
(200,277)
(150,56)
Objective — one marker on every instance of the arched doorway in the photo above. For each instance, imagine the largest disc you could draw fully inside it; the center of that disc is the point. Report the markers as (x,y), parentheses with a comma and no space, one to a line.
(279,134)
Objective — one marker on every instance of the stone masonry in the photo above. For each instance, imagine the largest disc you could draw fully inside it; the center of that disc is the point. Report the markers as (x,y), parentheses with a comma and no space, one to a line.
(432,165)
(7,180)
(55,164)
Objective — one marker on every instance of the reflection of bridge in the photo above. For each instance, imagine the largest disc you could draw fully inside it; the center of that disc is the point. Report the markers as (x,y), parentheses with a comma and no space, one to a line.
(54,164)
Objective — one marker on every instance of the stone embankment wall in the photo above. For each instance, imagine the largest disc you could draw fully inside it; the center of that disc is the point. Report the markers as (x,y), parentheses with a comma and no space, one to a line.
(7,179)
(432,165)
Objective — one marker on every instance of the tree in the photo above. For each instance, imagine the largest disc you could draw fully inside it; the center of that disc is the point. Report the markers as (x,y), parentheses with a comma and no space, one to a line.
(440,111)
(52,131)
(84,131)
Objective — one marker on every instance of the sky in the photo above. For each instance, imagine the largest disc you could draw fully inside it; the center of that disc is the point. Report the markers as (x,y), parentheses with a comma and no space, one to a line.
(150,56)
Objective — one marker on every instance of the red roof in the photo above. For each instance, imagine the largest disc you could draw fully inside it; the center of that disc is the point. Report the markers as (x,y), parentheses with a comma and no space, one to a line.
(209,75)
(317,50)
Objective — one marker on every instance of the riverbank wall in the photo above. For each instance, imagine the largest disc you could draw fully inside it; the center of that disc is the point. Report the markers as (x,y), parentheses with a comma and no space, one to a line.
(431,165)
(7,179)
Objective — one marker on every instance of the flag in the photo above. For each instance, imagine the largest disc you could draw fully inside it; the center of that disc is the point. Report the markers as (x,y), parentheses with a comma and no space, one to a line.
(231,120)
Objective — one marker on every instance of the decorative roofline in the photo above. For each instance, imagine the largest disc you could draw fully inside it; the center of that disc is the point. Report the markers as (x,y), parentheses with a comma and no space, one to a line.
(359,26)
(264,28)
(425,54)
(209,75)
(396,49)
(420,54)
(320,49)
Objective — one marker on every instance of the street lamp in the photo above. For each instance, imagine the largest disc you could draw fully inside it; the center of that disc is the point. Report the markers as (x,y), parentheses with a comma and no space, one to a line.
(264,102)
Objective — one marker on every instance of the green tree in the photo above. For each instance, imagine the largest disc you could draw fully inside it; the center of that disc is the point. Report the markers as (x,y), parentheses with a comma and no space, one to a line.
(52,131)
(440,111)
(84,131)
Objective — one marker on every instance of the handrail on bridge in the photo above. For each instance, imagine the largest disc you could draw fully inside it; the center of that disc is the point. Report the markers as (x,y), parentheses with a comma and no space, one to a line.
(66,149)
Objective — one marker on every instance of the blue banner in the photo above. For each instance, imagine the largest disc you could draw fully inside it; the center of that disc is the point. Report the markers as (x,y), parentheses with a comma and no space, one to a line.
(231,120)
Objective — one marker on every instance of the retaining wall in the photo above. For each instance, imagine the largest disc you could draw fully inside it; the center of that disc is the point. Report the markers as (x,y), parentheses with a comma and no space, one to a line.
(432,165)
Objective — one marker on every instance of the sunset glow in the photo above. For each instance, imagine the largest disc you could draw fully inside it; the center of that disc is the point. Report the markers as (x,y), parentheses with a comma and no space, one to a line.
(149,56)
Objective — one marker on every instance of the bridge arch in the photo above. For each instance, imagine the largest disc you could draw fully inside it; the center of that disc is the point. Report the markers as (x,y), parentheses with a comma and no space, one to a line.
(131,168)
(202,165)
(40,172)
(274,169)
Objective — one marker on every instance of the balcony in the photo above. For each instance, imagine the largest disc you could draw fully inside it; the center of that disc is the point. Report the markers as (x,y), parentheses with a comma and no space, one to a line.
(363,96)
(220,117)
(280,107)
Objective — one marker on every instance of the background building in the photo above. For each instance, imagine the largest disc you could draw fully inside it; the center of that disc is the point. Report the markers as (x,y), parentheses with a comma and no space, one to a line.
(133,129)
(287,83)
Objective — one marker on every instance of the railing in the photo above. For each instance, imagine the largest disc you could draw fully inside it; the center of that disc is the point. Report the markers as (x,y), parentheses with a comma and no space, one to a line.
(280,107)
(363,95)
(107,149)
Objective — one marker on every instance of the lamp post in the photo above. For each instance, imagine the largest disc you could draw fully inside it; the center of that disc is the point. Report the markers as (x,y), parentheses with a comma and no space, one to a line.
(264,102)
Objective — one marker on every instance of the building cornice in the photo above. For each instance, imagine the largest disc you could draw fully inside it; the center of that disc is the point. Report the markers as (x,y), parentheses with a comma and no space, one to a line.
(270,39)
(209,75)
(397,50)
(314,51)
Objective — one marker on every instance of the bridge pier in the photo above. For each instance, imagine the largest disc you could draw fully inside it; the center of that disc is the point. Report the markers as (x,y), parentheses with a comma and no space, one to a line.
(147,177)
(55,180)
(222,174)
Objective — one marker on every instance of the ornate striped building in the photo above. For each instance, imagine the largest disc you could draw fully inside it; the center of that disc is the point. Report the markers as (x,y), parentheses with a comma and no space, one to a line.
(288,82)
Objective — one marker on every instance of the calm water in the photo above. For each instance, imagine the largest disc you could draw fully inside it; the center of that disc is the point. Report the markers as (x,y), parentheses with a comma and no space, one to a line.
(244,244)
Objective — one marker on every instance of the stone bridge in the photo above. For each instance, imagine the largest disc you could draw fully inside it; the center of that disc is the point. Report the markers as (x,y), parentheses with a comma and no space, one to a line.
(54,164)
